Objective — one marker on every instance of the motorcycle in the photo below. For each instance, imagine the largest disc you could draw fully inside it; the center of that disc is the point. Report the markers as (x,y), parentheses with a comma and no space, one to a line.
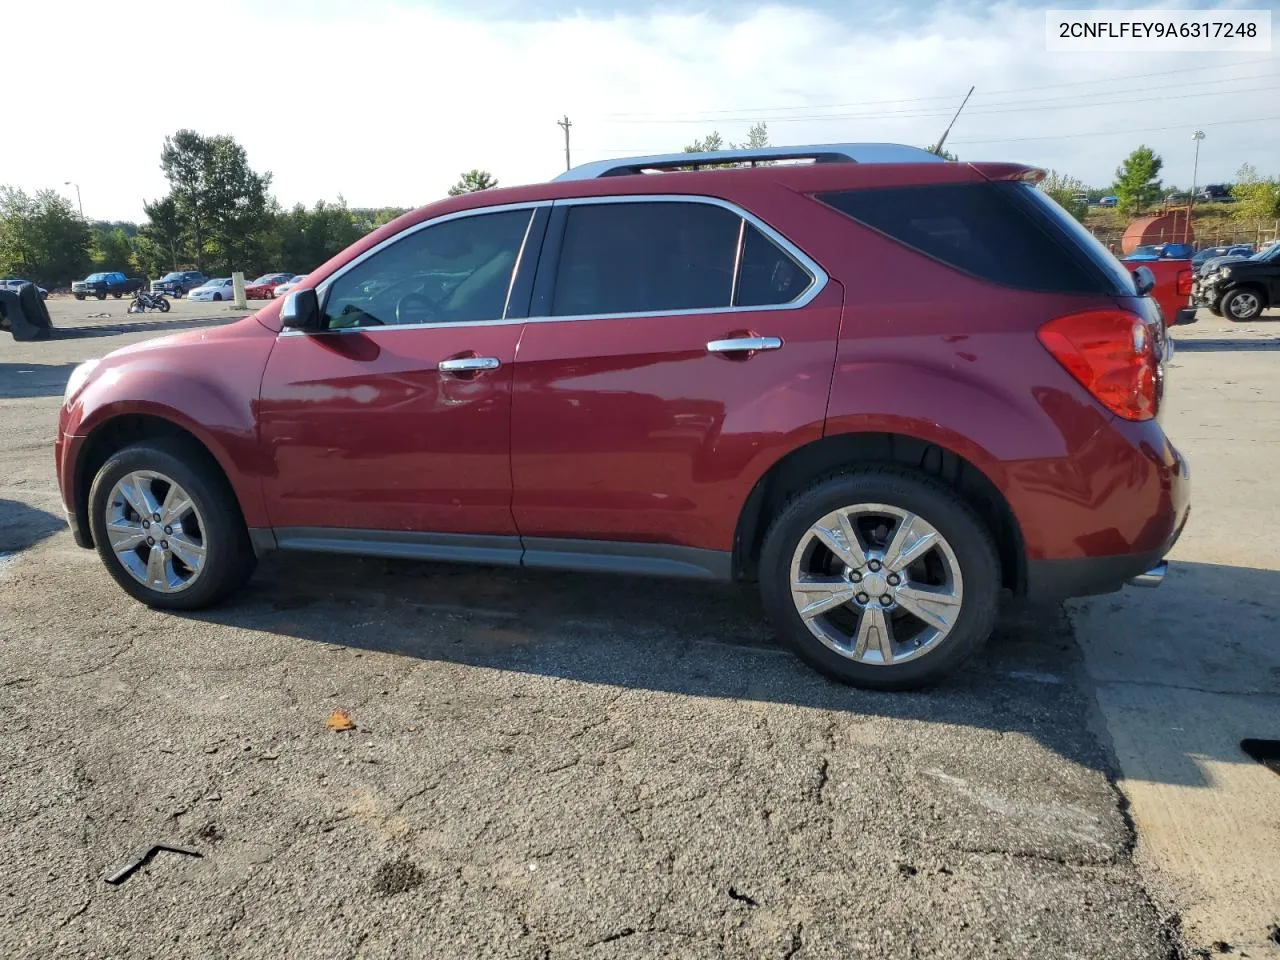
(144,301)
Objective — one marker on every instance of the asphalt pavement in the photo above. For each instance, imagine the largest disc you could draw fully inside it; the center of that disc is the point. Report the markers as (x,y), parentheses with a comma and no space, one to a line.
(541,765)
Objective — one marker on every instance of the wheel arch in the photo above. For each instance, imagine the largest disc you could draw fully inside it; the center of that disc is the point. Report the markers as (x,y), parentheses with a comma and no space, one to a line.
(798,468)
(122,430)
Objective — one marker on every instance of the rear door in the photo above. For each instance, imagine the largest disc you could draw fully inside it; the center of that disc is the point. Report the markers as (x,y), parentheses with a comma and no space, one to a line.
(675,348)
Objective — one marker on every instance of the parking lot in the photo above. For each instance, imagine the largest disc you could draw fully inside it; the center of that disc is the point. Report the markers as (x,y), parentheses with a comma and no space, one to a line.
(563,765)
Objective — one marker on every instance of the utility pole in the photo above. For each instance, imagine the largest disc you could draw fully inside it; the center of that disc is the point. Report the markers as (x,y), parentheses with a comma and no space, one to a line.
(566,124)
(1195,171)
(68,183)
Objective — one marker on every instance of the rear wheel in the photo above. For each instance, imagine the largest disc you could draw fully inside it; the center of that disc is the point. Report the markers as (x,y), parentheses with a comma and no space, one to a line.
(880,577)
(167,526)
(1241,305)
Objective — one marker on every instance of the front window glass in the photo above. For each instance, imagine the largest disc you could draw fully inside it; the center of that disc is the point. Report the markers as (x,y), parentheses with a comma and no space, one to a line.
(458,271)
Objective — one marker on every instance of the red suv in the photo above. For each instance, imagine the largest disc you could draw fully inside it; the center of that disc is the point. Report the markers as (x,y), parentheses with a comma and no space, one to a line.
(885,386)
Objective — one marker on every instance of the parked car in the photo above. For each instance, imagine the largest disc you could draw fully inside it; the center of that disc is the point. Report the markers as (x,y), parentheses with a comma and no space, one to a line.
(264,288)
(1108,201)
(101,285)
(13,283)
(1179,199)
(1240,289)
(1170,282)
(1238,250)
(1215,193)
(179,282)
(219,289)
(706,386)
(290,285)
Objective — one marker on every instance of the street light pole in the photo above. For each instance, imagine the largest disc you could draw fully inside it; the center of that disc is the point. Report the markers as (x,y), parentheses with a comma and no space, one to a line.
(1197,136)
(68,183)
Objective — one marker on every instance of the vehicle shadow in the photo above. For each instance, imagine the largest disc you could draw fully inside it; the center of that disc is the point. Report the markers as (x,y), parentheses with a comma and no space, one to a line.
(33,379)
(1214,346)
(692,639)
(113,329)
(23,526)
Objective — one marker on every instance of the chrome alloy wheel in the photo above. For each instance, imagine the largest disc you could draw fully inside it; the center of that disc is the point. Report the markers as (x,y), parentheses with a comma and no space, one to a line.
(1245,305)
(156,531)
(876,583)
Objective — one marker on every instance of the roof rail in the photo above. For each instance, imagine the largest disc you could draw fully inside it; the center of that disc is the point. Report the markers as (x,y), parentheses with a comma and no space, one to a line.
(819,153)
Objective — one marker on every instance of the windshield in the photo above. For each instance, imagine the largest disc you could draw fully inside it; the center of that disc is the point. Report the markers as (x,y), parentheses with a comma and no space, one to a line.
(93,277)
(1268,255)
(265,278)
(171,276)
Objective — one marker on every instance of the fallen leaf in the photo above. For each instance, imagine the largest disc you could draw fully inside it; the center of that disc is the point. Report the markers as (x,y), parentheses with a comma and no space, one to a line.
(340,720)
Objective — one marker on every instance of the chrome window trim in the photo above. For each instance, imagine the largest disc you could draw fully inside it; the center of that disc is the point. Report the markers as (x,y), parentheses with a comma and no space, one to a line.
(818,277)
(322,288)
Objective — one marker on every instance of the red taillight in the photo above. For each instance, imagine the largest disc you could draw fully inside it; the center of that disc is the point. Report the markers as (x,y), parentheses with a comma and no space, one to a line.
(1114,355)
(1184,283)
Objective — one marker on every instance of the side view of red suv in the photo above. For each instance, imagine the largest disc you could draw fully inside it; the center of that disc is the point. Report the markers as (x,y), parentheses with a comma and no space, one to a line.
(885,386)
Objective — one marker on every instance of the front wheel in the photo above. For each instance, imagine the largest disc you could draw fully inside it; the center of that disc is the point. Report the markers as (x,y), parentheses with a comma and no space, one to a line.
(880,577)
(167,526)
(102,296)
(217,297)
(79,296)
(117,294)
(1241,305)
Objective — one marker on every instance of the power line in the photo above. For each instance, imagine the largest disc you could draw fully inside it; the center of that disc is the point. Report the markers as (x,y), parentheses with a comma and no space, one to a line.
(952,97)
(645,151)
(1008,107)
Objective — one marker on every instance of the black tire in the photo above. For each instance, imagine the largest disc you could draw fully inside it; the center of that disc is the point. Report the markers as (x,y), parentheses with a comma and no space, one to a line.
(79,296)
(101,296)
(217,298)
(117,294)
(968,537)
(164,305)
(1242,304)
(230,559)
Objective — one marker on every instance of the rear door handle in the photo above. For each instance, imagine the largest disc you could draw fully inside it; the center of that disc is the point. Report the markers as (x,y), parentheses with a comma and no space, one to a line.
(744,344)
(468,364)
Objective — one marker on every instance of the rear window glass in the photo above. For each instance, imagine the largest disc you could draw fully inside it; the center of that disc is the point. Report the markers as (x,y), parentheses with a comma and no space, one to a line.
(998,232)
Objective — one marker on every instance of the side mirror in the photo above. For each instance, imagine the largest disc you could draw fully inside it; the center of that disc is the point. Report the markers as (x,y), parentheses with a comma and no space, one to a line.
(301,311)
(1143,279)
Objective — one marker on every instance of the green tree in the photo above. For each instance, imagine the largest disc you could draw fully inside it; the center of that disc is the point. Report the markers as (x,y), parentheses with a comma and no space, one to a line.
(1138,180)
(1064,189)
(160,245)
(42,238)
(307,238)
(221,201)
(1257,198)
(112,249)
(946,154)
(473,181)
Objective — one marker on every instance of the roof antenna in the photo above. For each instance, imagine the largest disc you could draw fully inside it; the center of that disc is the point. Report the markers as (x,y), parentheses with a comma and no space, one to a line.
(938,147)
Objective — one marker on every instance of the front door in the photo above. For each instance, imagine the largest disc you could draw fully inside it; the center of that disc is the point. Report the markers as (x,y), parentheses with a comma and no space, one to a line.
(396,417)
(683,349)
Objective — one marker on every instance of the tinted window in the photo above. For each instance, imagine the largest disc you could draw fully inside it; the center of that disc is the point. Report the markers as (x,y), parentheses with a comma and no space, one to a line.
(1003,232)
(768,275)
(453,272)
(645,258)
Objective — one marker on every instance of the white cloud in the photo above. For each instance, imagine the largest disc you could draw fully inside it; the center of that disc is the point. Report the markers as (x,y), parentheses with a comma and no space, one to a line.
(386,102)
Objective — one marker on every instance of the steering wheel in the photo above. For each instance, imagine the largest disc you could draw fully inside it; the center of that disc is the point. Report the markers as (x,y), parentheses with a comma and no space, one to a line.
(414,308)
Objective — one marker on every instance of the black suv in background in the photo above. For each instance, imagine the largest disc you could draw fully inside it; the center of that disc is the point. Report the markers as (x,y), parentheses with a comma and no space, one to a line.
(1240,289)
(179,283)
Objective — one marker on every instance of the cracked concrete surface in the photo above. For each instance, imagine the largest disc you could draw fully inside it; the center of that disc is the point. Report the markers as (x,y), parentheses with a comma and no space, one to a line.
(544,765)
(1184,673)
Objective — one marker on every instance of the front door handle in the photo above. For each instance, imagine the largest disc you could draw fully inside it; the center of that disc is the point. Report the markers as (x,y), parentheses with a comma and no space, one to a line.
(744,344)
(468,364)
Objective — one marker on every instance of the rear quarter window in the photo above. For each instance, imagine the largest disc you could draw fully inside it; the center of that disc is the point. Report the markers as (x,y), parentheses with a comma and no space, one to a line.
(999,232)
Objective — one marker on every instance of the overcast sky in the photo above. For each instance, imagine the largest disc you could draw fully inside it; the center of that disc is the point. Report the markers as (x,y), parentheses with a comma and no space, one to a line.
(386,102)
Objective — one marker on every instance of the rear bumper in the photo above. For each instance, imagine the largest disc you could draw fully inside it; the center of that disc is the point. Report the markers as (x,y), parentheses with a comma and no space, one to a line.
(1060,579)
(1184,316)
